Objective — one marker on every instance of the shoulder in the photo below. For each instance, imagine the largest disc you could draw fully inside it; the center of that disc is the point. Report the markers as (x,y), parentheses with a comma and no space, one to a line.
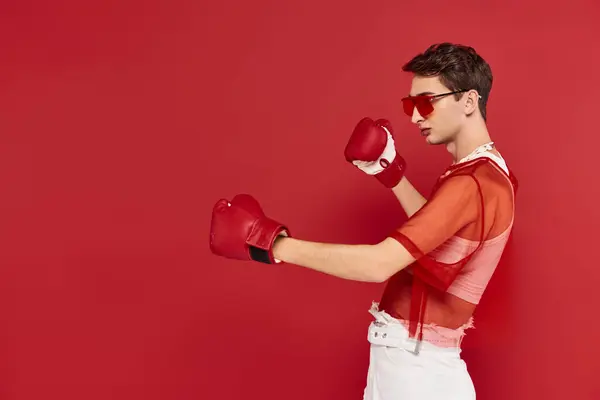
(483,173)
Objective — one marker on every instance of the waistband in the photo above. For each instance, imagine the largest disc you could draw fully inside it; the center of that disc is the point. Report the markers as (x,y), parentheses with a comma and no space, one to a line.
(389,331)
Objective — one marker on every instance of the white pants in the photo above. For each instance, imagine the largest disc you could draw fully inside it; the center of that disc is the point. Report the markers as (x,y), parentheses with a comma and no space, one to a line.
(400,371)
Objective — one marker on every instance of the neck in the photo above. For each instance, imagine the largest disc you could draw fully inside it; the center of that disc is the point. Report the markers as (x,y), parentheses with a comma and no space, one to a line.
(468,139)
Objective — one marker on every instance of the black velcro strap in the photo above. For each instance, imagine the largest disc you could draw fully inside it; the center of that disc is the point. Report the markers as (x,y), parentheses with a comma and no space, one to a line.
(259,255)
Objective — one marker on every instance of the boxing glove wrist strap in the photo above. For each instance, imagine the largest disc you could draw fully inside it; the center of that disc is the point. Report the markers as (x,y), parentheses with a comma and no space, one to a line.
(261,240)
(392,172)
(260,255)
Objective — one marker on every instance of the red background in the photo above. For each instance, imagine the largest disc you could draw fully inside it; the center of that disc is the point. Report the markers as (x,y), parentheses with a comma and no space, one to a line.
(121,123)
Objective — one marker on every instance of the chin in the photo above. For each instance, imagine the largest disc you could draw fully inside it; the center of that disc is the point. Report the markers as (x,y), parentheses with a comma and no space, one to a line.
(432,140)
(437,140)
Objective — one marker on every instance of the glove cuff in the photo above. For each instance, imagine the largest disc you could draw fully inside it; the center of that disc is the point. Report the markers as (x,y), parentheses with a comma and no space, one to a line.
(392,172)
(262,237)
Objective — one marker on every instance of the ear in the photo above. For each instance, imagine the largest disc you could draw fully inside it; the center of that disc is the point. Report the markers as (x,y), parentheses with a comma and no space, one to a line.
(471,101)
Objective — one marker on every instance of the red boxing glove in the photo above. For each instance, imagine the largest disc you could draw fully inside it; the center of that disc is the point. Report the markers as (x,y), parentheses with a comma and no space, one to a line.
(241,231)
(371,148)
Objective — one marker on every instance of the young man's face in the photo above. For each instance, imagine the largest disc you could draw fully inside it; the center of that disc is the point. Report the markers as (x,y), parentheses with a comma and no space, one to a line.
(441,125)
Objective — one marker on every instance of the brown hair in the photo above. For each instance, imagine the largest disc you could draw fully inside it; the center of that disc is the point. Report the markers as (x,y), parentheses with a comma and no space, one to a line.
(459,67)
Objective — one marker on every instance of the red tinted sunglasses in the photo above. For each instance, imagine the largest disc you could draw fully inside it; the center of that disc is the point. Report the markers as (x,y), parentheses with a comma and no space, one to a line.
(424,103)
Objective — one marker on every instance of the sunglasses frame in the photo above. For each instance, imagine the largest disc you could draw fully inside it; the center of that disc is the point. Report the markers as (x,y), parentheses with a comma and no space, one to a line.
(424,103)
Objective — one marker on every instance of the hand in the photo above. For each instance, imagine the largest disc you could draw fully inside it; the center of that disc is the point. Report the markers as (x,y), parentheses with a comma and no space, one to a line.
(240,230)
(371,148)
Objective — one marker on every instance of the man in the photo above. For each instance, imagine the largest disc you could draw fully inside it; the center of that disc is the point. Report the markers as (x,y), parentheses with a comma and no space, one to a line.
(437,264)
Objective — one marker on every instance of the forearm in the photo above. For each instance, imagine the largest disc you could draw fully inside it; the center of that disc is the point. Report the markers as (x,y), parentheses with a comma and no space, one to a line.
(353,262)
(363,262)
(410,199)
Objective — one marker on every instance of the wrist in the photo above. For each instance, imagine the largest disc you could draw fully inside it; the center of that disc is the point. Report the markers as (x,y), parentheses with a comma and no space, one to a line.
(402,182)
(278,248)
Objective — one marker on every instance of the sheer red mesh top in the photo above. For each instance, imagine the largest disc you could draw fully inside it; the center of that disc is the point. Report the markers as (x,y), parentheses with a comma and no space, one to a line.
(457,238)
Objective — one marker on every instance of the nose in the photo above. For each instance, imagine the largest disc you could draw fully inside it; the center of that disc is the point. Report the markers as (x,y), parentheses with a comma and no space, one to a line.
(416,117)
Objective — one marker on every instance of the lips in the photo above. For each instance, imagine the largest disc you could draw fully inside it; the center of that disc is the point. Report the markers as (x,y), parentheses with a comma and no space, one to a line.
(425,131)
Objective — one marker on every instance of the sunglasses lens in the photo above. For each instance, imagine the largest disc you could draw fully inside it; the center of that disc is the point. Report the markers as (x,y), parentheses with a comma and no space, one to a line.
(408,105)
(424,106)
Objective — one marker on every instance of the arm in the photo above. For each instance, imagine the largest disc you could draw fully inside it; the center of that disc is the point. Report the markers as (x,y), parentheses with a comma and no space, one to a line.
(451,209)
(240,230)
(410,199)
(371,148)
(366,263)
